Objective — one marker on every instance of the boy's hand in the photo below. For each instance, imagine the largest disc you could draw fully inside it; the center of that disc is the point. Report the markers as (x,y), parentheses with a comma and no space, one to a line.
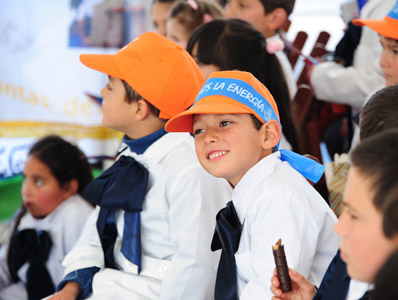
(69,292)
(302,289)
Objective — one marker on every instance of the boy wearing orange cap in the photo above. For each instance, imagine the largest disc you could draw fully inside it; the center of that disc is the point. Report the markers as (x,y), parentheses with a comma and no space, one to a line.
(155,205)
(237,132)
(387,28)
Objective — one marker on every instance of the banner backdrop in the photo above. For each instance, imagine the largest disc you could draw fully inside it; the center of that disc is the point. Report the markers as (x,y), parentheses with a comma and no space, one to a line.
(43,85)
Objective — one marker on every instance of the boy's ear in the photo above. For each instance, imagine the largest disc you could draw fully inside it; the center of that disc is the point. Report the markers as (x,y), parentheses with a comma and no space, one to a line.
(271,134)
(142,109)
(277,18)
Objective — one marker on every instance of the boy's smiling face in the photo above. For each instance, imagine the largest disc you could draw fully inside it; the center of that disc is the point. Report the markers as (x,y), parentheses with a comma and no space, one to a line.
(228,145)
(389,60)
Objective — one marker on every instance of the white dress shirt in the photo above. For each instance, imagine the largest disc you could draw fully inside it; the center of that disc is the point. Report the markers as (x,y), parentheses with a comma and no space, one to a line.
(64,226)
(177,226)
(274,201)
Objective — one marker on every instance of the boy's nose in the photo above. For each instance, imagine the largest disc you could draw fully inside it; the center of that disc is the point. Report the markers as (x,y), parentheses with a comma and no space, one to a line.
(211,136)
(103,92)
(383,59)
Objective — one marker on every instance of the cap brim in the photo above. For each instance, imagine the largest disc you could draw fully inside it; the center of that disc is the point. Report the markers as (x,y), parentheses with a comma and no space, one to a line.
(104,63)
(209,105)
(386,27)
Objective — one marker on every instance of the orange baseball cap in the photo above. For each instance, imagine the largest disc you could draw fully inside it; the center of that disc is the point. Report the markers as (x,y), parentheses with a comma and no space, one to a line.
(228,92)
(158,69)
(388,26)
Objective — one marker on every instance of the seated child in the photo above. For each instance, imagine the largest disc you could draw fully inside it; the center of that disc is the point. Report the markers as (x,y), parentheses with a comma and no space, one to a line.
(267,16)
(368,225)
(186,16)
(387,28)
(49,221)
(150,235)
(237,132)
(351,85)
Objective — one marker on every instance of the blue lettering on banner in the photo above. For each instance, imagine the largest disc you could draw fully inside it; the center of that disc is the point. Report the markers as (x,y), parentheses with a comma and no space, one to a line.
(240,91)
(13,157)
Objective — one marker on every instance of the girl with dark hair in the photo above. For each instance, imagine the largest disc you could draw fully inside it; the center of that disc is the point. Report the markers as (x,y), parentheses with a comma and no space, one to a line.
(49,221)
(234,44)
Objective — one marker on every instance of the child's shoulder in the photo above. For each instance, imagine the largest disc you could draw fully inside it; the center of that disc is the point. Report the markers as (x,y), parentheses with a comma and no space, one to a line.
(75,208)
(281,180)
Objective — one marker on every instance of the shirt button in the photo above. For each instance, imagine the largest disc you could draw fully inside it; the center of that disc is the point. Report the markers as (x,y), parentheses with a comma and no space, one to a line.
(162,268)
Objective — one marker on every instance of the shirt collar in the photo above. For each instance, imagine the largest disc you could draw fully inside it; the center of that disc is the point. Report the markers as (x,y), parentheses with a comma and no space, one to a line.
(161,147)
(140,145)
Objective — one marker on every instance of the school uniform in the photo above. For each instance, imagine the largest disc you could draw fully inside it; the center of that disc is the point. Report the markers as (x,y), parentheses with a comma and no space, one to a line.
(274,201)
(337,284)
(63,226)
(177,223)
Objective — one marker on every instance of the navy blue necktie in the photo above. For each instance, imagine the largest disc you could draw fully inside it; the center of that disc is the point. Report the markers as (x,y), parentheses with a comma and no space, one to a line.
(122,186)
(34,247)
(226,237)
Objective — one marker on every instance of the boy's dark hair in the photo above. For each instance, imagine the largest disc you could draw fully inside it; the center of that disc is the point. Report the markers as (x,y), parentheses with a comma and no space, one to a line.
(235,44)
(386,280)
(270,5)
(376,158)
(257,123)
(133,96)
(191,18)
(380,112)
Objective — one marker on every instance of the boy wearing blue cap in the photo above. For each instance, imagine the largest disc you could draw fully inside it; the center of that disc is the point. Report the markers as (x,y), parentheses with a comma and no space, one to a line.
(149,236)
(237,132)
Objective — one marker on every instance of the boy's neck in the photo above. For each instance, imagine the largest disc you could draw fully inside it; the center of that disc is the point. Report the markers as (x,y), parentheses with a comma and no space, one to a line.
(145,127)
(140,145)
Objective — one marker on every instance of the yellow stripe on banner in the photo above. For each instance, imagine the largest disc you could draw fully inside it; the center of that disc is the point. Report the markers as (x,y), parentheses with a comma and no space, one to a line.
(18,129)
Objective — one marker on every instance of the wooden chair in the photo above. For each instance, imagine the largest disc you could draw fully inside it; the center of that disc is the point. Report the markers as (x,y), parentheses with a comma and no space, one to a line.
(298,44)
(301,103)
(318,50)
